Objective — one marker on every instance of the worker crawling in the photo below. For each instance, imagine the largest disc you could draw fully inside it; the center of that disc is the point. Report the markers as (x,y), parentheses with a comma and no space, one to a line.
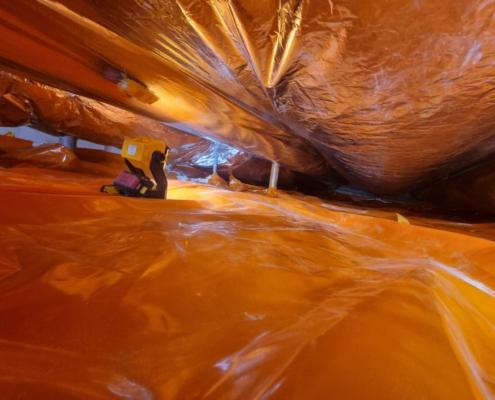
(143,157)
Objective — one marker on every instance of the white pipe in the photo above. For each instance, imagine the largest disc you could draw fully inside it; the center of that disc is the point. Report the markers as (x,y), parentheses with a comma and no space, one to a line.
(215,158)
(274,175)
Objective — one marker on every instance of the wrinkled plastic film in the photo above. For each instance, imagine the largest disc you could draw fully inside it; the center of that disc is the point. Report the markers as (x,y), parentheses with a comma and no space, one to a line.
(224,292)
(24,101)
(372,89)
(114,298)
(183,103)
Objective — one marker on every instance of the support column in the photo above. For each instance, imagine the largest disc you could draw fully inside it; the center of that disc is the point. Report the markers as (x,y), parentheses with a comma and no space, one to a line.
(215,158)
(274,177)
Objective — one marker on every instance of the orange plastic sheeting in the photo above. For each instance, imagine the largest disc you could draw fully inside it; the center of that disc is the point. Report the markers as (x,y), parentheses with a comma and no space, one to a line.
(223,295)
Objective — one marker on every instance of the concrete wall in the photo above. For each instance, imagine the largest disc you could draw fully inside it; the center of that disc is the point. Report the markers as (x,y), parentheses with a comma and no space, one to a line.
(38,138)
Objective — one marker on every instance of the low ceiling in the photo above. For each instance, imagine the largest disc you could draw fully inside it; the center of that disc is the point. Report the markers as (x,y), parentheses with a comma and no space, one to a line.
(390,94)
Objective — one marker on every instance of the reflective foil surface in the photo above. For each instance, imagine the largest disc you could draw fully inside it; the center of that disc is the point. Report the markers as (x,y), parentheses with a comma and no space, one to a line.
(228,292)
(24,101)
(390,93)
